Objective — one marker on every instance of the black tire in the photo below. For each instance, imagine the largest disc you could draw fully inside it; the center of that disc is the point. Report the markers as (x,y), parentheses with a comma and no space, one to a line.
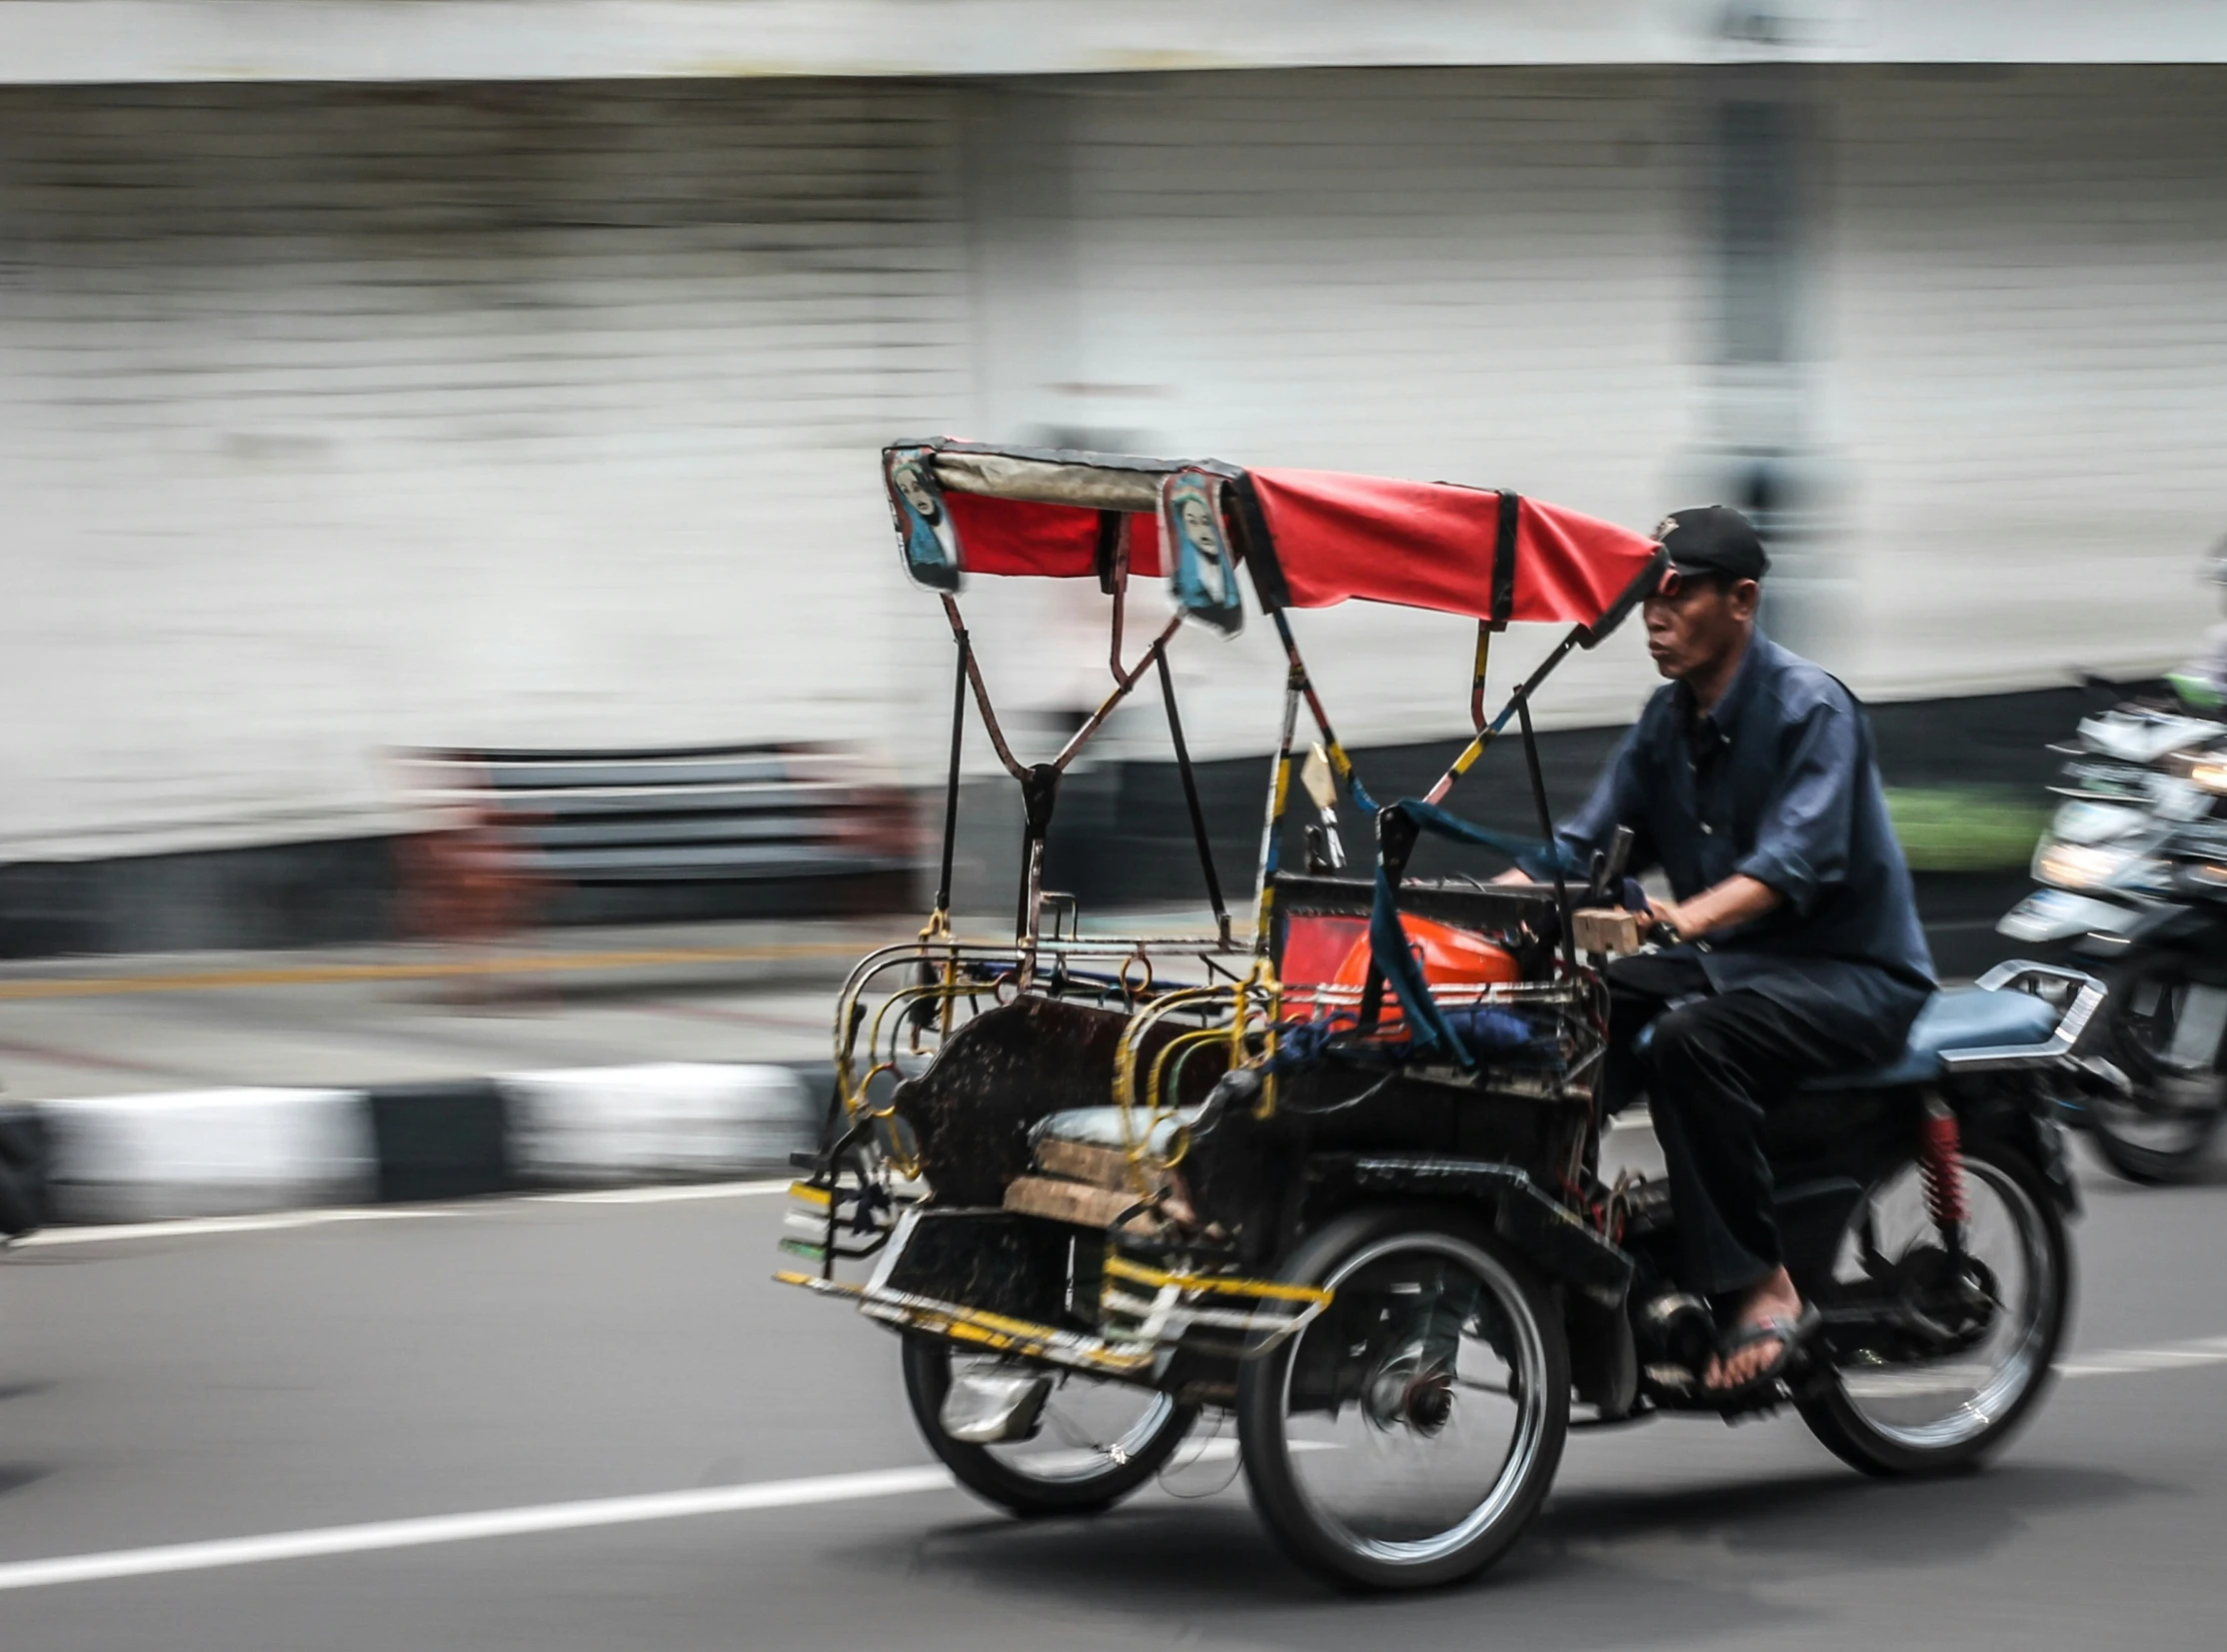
(2147,1165)
(2190,1102)
(996,1479)
(1981,1425)
(1529,1322)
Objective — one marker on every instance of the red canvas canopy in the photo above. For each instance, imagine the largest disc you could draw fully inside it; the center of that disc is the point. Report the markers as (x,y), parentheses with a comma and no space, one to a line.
(1056,542)
(1309,538)
(1433,545)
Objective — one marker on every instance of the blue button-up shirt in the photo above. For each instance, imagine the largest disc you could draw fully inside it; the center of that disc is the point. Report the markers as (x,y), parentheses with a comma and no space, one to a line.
(1777,783)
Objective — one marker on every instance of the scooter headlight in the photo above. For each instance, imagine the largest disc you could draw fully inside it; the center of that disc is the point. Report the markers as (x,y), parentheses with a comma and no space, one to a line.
(2078,865)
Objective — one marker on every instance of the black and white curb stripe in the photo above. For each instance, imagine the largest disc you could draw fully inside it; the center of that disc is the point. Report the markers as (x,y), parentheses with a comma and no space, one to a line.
(241,1151)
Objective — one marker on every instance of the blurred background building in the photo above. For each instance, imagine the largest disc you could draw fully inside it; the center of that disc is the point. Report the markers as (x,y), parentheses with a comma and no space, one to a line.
(498,373)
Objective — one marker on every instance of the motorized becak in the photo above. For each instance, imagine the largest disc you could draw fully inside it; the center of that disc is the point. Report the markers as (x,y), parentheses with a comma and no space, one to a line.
(1338,1177)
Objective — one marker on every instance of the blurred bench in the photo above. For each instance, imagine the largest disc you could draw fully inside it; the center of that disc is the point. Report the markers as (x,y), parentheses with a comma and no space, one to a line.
(648,836)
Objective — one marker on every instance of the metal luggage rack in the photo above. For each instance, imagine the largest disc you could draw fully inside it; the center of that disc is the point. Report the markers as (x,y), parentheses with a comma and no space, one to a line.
(2077,997)
(956,979)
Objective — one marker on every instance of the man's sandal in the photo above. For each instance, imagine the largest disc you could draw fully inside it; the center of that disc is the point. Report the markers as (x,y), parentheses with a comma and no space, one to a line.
(1789,1334)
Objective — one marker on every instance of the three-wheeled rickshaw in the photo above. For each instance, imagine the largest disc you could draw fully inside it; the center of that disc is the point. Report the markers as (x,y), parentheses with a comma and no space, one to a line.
(1338,1175)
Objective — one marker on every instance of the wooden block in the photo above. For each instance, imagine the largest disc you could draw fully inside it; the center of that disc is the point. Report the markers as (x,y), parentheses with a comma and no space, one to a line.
(1067,1201)
(1601,930)
(1089,1161)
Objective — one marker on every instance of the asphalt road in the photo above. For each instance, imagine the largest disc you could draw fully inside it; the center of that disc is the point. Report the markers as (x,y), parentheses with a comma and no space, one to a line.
(192,1386)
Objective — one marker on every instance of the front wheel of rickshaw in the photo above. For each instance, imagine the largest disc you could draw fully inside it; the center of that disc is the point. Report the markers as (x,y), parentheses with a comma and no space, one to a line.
(1096,1442)
(1407,1436)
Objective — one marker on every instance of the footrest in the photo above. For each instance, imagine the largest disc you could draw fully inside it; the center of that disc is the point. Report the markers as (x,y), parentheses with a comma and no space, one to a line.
(1244,1319)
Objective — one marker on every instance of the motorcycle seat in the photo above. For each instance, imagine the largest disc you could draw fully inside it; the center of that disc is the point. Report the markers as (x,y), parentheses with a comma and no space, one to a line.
(1956,1017)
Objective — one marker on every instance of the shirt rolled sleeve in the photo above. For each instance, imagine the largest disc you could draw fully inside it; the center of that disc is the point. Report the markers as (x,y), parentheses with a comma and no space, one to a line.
(1801,845)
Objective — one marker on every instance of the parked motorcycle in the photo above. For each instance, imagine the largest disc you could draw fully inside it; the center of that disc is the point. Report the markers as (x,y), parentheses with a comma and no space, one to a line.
(2135,868)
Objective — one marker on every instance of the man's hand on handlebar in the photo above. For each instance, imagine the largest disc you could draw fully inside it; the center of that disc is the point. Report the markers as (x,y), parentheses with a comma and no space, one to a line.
(1731,903)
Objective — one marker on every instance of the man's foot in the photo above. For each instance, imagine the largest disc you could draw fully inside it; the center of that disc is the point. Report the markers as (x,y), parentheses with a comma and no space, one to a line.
(1774,1299)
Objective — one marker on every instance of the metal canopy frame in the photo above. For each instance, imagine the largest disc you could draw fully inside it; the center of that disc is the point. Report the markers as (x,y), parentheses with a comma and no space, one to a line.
(1118,488)
(1040,781)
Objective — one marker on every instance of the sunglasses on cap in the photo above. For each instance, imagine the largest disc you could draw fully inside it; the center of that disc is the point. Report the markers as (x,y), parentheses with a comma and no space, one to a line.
(1677,582)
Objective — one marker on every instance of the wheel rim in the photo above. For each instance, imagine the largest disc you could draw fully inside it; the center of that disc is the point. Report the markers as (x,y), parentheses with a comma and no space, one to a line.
(2169,1034)
(1937,1403)
(1088,1429)
(1437,1420)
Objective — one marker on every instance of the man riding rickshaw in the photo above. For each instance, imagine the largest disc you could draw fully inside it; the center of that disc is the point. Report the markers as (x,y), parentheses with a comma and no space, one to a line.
(1795,943)
(1339,1180)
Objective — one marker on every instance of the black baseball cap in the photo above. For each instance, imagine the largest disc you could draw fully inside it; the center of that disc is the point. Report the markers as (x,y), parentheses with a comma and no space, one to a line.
(1714,538)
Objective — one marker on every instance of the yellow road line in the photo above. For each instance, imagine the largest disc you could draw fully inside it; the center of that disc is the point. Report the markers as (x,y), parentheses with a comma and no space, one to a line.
(327,975)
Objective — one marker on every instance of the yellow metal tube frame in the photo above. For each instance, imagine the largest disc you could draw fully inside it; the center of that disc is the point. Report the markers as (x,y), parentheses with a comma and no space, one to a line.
(1135,1143)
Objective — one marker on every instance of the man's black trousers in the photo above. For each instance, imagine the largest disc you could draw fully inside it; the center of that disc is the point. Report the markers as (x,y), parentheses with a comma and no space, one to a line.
(1715,1065)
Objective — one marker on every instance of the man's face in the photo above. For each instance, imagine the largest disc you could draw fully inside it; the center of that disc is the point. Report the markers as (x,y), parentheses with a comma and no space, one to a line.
(1701,621)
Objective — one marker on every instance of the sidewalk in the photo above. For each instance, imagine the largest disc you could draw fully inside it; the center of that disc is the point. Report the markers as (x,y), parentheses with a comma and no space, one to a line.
(411,1012)
(212,1084)
(368,1015)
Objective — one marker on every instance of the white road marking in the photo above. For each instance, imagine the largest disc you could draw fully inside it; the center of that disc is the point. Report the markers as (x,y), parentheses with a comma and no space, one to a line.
(740,1499)
(193,1226)
(465,1528)
(189,1226)
(2171,1356)
(668,1195)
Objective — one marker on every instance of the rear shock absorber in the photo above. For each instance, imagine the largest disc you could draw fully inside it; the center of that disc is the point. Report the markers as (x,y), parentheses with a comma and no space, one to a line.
(1941,1169)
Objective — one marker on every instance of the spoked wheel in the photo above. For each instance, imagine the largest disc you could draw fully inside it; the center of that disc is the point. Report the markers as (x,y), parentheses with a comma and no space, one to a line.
(1964,1346)
(2166,1031)
(1096,1442)
(1408,1434)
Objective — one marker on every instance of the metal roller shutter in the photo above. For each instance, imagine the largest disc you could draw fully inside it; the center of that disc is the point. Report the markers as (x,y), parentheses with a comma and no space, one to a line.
(2026,323)
(1479,275)
(467,414)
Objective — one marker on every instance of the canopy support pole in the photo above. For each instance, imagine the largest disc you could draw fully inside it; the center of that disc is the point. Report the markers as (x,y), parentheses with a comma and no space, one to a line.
(1122,682)
(951,784)
(1118,588)
(1547,833)
(1014,765)
(1190,801)
(1271,830)
(1643,584)
(1040,782)
(1040,790)
(1485,628)
(1305,684)
(1519,702)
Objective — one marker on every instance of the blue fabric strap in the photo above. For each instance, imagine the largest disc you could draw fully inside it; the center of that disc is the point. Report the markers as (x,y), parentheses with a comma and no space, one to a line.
(1388,940)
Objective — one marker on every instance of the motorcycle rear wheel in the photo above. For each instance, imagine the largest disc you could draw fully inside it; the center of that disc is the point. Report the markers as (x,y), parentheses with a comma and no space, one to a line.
(1920,1419)
(1099,1440)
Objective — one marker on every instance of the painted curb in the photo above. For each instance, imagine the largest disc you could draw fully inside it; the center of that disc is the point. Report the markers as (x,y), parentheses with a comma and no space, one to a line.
(252,1151)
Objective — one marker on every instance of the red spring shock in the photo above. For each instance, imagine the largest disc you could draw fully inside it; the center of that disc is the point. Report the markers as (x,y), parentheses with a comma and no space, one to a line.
(1941,1166)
